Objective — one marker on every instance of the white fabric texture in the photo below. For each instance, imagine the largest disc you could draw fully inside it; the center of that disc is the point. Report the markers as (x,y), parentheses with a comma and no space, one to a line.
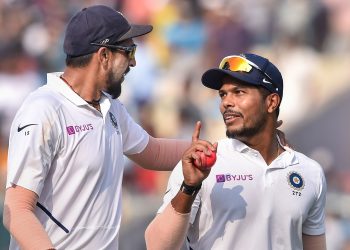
(71,155)
(246,204)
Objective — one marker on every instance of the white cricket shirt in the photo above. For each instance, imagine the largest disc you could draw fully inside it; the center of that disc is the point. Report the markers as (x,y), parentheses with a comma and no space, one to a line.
(71,155)
(246,204)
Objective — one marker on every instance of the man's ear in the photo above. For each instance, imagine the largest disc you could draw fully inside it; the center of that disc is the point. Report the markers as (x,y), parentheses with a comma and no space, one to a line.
(103,56)
(273,101)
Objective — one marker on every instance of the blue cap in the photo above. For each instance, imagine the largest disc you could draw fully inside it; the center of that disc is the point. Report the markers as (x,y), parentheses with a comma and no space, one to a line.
(212,78)
(98,24)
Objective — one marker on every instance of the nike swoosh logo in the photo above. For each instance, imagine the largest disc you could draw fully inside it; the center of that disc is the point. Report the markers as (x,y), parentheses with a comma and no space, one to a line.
(19,129)
(266,81)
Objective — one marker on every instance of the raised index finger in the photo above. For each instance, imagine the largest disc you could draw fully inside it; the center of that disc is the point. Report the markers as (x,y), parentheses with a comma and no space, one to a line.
(197,130)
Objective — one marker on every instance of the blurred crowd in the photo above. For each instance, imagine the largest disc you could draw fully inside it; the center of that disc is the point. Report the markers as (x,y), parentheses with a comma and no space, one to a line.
(309,40)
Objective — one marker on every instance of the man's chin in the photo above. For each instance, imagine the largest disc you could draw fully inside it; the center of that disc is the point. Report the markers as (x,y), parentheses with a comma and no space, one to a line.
(233,131)
(115,92)
(242,133)
(230,134)
(115,95)
(121,79)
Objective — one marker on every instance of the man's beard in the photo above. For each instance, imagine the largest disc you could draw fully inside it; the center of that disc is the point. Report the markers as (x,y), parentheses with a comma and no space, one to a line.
(246,132)
(114,86)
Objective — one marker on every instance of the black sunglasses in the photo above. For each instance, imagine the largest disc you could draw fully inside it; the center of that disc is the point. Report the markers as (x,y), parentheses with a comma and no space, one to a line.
(131,50)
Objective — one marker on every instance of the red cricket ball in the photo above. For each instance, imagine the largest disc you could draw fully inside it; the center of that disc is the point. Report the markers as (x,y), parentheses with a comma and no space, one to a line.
(206,162)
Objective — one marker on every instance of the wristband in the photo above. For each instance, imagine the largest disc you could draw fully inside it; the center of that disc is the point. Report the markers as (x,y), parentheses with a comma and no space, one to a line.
(190,190)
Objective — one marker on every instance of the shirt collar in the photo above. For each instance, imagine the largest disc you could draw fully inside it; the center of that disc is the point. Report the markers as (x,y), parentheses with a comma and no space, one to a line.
(287,158)
(55,82)
(239,146)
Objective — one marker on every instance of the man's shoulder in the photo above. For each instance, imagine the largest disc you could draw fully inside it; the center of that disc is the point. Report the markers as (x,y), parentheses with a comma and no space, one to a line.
(114,102)
(118,108)
(308,163)
(41,100)
(43,96)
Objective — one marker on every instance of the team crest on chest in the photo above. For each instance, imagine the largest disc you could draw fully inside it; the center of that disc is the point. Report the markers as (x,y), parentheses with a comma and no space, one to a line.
(295,181)
(114,122)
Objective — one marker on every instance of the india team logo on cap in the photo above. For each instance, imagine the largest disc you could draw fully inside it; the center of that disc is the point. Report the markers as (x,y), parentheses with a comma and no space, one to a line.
(295,181)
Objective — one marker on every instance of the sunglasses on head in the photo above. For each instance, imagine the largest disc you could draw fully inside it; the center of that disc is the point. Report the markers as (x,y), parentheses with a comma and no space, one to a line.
(129,50)
(238,63)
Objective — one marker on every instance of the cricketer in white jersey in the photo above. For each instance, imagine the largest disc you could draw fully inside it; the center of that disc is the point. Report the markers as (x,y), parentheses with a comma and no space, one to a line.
(245,204)
(69,138)
(258,194)
(71,156)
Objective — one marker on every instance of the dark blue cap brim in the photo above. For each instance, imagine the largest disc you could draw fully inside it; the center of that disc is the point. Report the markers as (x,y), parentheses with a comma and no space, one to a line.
(135,31)
(212,78)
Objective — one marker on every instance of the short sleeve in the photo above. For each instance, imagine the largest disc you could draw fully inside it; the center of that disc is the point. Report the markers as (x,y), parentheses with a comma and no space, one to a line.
(174,184)
(32,145)
(135,138)
(315,222)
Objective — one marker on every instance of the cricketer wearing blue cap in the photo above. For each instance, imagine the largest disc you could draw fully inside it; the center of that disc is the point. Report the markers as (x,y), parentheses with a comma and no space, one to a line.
(259,194)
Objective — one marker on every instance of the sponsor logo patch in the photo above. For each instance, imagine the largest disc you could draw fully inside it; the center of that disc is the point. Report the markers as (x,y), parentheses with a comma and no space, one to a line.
(71,130)
(19,129)
(233,177)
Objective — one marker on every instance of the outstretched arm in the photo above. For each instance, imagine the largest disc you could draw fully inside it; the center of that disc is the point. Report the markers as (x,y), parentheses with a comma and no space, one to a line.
(20,220)
(161,154)
(168,229)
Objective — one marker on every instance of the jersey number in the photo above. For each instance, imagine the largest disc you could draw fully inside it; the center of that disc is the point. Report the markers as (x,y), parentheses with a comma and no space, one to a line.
(296,193)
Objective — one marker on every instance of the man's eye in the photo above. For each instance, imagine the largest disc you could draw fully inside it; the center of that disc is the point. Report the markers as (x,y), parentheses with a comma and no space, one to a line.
(222,95)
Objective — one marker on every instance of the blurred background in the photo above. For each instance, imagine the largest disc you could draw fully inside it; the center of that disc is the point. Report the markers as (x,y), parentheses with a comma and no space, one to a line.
(309,40)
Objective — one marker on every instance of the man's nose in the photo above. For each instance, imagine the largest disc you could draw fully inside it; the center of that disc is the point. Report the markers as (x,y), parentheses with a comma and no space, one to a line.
(132,62)
(228,102)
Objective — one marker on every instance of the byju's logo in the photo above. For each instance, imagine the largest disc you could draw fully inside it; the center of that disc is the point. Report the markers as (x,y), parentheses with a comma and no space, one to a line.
(234,177)
(71,130)
(220,178)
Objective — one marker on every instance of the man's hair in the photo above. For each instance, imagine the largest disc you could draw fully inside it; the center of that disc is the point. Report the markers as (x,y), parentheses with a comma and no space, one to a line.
(265,93)
(78,61)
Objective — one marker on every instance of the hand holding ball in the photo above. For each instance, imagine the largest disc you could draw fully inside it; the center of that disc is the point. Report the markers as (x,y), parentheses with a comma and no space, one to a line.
(206,161)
